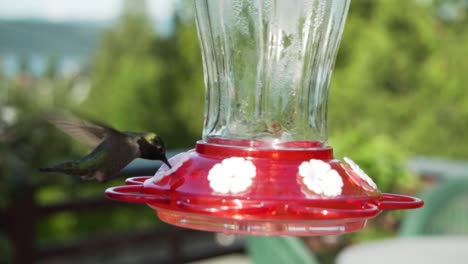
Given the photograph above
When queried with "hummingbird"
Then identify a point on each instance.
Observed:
(113, 149)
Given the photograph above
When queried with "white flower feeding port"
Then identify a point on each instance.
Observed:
(361, 173)
(263, 166)
(320, 178)
(178, 161)
(232, 175)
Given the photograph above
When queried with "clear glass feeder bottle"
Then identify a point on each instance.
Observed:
(267, 70)
(264, 166)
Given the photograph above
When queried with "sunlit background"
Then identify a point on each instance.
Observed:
(398, 106)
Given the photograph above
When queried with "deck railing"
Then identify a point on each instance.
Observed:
(167, 244)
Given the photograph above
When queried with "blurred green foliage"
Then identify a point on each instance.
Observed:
(398, 89)
(149, 83)
(401, 72)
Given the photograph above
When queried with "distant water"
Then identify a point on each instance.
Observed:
(71, 44)
(35, 42)
(37, 64)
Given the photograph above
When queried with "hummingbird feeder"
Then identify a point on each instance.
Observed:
(263, 166)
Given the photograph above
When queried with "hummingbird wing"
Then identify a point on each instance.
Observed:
(88, 133)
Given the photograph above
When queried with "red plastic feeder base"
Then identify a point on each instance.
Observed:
(255, 191)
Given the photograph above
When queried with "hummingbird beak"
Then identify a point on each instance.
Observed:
(164, 159)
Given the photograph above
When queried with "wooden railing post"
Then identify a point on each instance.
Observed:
(175, 247)
(21, 224)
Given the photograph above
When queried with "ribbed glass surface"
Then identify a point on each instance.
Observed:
(267, 67)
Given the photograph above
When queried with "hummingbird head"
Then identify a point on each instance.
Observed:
(152, 148)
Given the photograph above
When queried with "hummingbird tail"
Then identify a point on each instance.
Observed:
(68, 167)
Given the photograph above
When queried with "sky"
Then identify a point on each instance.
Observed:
(77, 10)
